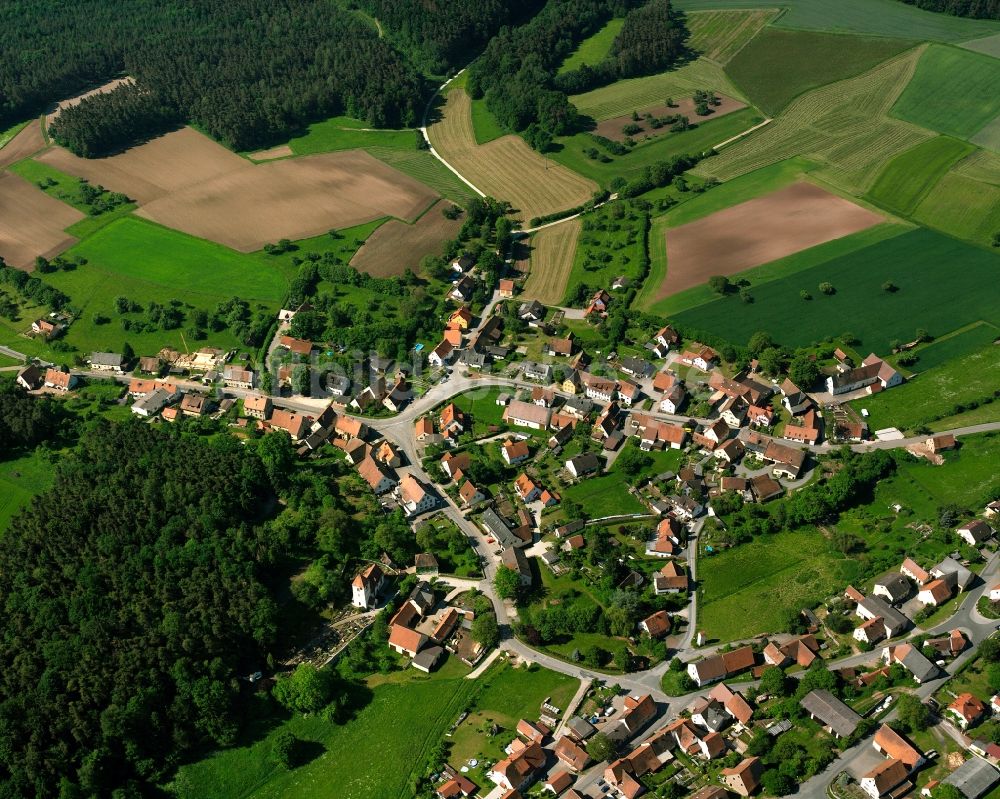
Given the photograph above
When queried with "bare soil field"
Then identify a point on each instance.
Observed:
(396, 245)
(31, 222)
(28, 142)
(554, 249)
(188, 182)
(757, 232)
(612, 128)
(107, 87)
(505, 168)
(281, 151)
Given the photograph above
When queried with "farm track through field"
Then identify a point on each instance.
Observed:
(844, 126)
(553, 253)
(505, 168)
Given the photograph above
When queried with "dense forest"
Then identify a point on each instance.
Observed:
(980, 9)
(248, 71)
(133, 602)
(447, 33)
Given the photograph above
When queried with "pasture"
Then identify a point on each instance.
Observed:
(875, 17)
(940, 392)
(756, 232)
(773, 574)
(778, 65)
(859, 305)
(506, 168)
(32, 222)
(844, 126)
(720, 35)
(395, 724)
(624, 96)
(594, 49)
(962, 206)
(552, 253)
(397, 246)
(909, 176)
(573, 150)
(953, 91)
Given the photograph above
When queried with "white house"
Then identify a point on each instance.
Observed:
(975, 533)
(154, 402)
(415, 496)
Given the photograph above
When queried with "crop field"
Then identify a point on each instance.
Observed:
(21, 141)
(720, 35)
(962, 206)
(982, 165)
(956, 345)
(756, 232)
(778, 65)
(594, 49)
(845, 126)
(32, 223)
(397, 245)
(506, 168)
(552, 252)
(909, 176)
(773, 574)
(397, 724)
(953, 91)
(624, 96)
(876, 17)
(943, 391)
(859, 305)
(703, 136)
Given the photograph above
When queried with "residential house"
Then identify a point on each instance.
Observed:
(378, 477)
(583, 465)
(975, 533)
(734, 704)
(531, 311)
(913, 660)
(557, 781)
(884, 778)
(638, 711)
(406, 641)
(543, 396)
(743, 778)
(423, 428)
(974, 778)
(666, 336)
(873, 370)
(295, 424)
(389, 454)
(893, 586)
(914, 571)
(966, 710)
(297, 345)
(451, 422)
(460, 319)
(628, 392)
(398, 395)
(237, 377)
(536, 371)
(458, 785)
(560, 346)
(673, 399)
(872, 607)
(59, 380)
(871, 631)
(795, 400)
(106, 362)
(506, 288)
(941, 443)
(500, 530)
(347, 428)
(597, 388)
(515, 560)
(671, 579)
(952, 570)
(527, 414)
(441, 354)
(570, 753)
(514, 451)
(733, 411)
(194, 404)
(598, 304)
(892, 745)
(257, 406)
(636, 367)
(30, 378)
(462, 289)
(151, 404)
(699, 356)
(764, 488)
(365, 587)
(45, 327)
(829, 711)
(656, 625)
(454, 463)
(526, 488)
(718, 667)
(936, 592)
(786, 461)
(416, 498)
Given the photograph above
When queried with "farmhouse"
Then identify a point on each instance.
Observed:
(912, 660)
(514, 559)
(833, 714)
(718, 667)
(527, 414)
(974, 778)
(743, 778)
(570, 753)
(893, 586)
(106, 362)
(787, 461)
(936, 592)
(236, 377)
(514, 451)
(415, 497)
(376, 475)
(873, 607)
(872, 370)
(882, 779)
(500, 530)
(598, 388)
(519, 769)
(913, 570)
(296, 425)
(151, 404)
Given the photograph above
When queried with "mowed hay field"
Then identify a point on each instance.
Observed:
(188, 182)
(396, 246)
(981, 165)
(953, 91)
(778, 65)
(720, 35)
(944, 284)
(909, 176)
(506, 168)
(844, 126)
(31, 222)
(756, 232)
(552, 254)
(626, 96)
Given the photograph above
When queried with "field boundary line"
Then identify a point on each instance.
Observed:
(747, 132)
(435, 153)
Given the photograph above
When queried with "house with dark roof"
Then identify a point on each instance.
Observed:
(834, 715)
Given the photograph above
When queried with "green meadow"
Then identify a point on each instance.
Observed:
(594, 49)
(909, 176)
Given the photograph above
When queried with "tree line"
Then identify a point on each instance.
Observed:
(249, 72)
(978, 9)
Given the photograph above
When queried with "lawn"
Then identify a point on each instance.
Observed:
(594, 49)
(876, 17)
(606, 495)
(751, 588)
(778, 65)
(20, 479)
(912, 261)
(481, 405)
(571, 151)
(845, 126)
(962, 206)
(370, 757)
(720, 35)
(506, 696)
(939, 392)
(953, 91)
(909, 176)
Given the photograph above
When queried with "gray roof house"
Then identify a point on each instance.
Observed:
(974, 778)
(913, 660)
(831, 712)
(499, 529)
(893, 586)
(963, 577)
(873, 606)
(111, 361)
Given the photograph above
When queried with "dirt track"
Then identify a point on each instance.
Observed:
(612, 128)
(31, 222)
(25, 143)
(107, 87)
(756, 232)
(395, 245)
(281, 151)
